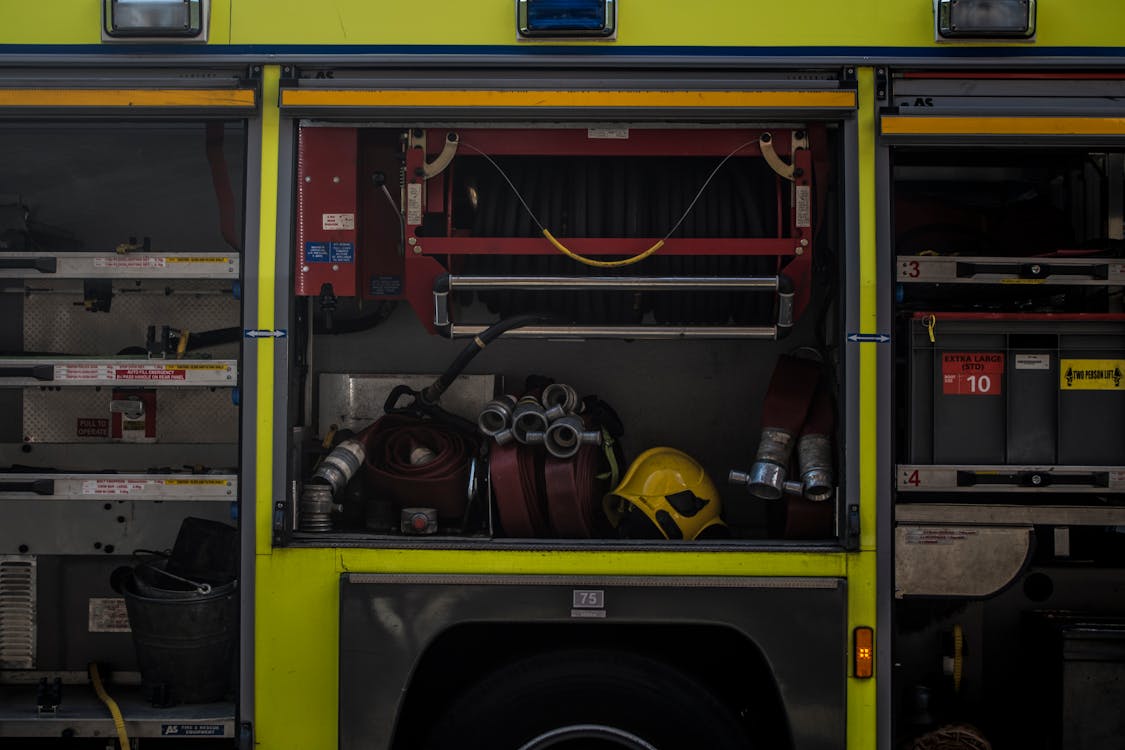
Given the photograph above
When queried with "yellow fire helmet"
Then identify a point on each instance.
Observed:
(666, 494)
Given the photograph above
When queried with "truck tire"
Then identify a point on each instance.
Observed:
(587, 700)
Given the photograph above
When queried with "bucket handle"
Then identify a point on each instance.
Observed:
(202, 588)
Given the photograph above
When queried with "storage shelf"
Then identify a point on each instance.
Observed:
(111, 265)
(938, 269)
(81, 714)
(1009, 478)
(124, 372)
(123, 486)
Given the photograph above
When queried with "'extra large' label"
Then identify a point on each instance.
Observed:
(972, 373)
(1091, 374)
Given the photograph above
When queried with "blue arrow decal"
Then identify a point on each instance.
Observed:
(878, 338)
(264, 333)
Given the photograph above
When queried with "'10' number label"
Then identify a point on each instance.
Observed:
(972, 373)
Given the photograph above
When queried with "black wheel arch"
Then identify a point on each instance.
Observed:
(722, 658)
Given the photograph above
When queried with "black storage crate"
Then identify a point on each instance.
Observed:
(1077, 678)
(1017, 389)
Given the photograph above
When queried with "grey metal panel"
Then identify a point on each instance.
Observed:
(80, 527)
(249, 410)
(195, 415)
(121, 456)
(353, 401)
(1039, 515)
(56, 321)
(69, 588)
(387, 622)
(849, 299)
(600, 80)
(884, 495)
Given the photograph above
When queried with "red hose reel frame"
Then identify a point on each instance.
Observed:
(348, 236)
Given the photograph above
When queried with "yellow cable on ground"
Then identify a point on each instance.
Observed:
(601, 263)
(111, 704)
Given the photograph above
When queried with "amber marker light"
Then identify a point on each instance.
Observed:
(863, 651)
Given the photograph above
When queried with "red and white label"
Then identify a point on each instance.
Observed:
(83, 372)
(139, 373)
(972, 373)
(92, 427)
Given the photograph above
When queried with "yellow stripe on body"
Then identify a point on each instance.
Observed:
(950, 125)
(267, 279)
(555, 98)
(40, 97)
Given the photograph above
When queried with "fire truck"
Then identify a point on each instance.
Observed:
(528, 374)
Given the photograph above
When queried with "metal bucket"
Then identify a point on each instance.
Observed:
(185, 640)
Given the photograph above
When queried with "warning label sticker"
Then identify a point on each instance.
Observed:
(1091, 374)
(620, 134)
(139, 373)
(186, 259)
(345, 222)
(107, 615)
(413, 203)
(126, 261)
(802, 205)
(940, 536)
(92, 427)
(112, 486)
(83, 372)
(1033, 361)
(192, 730)
(972, 373)
(197, 481)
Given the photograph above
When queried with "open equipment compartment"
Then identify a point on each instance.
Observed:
(1006, 212)
(120, 269)
(658, 263)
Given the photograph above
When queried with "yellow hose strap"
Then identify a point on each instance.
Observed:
(958, 657)
(115, 712)
(600, 263)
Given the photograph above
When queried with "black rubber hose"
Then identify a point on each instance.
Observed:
(433, 392)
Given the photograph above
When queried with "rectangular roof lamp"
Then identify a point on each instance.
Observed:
(566, 18)
(170, 20)
(985, 19)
